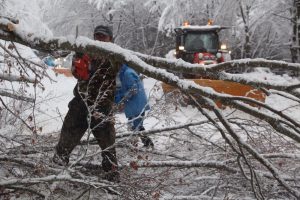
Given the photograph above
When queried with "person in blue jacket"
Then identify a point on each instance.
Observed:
(131, 94)
(49, 61)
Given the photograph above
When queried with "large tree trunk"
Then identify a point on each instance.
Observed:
(296, 32)
(245, 16)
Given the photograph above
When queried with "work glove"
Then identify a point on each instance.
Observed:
(80, 67)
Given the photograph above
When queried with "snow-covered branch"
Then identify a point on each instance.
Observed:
(15, 96)
(186, 164)
(212, 71)
(52, 178)
(15, 78)
(216, 71)
(251, 150)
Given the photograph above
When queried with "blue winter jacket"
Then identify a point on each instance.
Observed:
(49, 61)
(132, 92)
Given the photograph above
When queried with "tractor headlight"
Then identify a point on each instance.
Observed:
(181, 48)
(223, 47)
(200, 55)
(219, 55)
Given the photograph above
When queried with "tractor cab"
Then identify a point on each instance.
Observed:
(200, 44)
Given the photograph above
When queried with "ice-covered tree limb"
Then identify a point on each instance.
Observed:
(193, 197)
(15, 96)
(159, 130)
(251, 150)
(187, 164)
(212, 71)
(18, 57)
(18, 188)
(25, 163)
(201, 164)
(52, 178)
(150, 132)
(14, 114)
(15, 21)
(216, 71)
(15, 78)
(282, 155)
(283, 94)
(242, 145)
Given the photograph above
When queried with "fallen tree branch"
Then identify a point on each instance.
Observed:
(252, 151)
(54, 178)
(14, 78)
(192, 197)
(186, 164)
(285, 95)
(15, 96)
(14, 114)
(149, 132)
(216, 71)
(26, 189)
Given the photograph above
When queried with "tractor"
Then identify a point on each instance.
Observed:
(201, 45)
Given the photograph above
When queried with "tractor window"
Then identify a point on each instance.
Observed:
(202, 42)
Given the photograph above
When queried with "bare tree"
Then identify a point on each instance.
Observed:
(295, 39)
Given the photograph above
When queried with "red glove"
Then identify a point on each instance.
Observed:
(80, 67)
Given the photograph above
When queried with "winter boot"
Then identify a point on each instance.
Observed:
(112, 176)
(110, 166)
(145, 139)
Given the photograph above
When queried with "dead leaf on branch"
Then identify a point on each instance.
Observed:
(134, 165)
(10, 46)
(11, 27)
(156, 195)
(30, 118)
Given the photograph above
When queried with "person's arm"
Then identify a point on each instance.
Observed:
(118, 95)
(131, 83)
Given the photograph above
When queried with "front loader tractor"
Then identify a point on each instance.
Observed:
(201, 45)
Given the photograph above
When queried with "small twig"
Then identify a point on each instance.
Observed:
(83, 193)
(27, 189)
(18, 117)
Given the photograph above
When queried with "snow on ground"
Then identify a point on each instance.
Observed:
(54, 101)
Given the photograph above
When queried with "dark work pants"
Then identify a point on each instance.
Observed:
(75, 125)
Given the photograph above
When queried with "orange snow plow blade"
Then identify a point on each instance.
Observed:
(61, 70)
(227, 87)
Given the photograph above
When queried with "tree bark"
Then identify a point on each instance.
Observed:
(295, 48)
